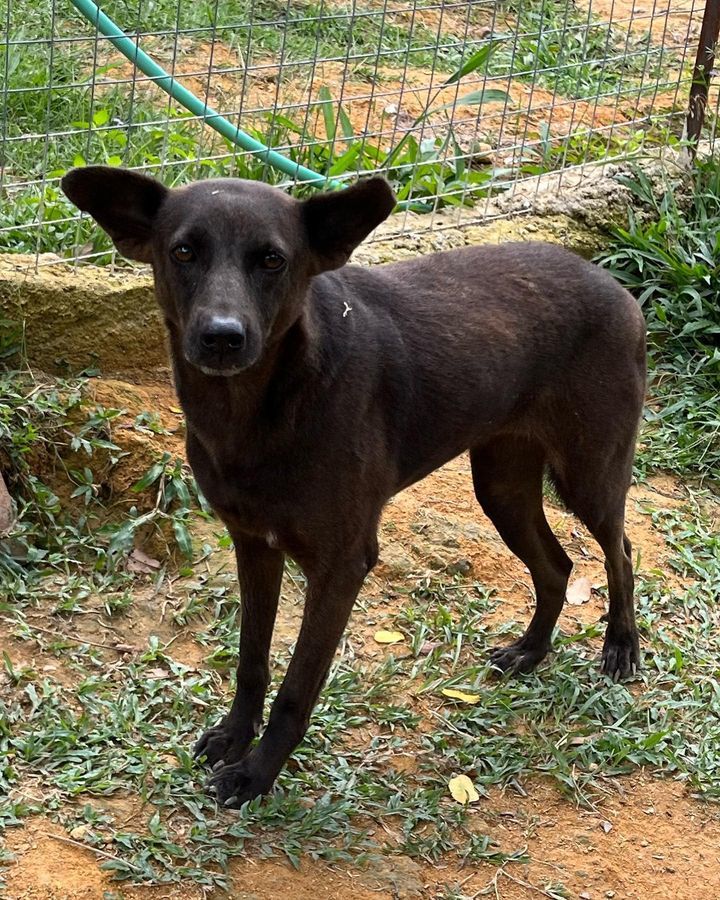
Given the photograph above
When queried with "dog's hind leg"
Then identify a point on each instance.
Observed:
(594, 486)
(508, 480)
(260, 571)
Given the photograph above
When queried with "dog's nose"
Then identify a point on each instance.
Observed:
(223, 336)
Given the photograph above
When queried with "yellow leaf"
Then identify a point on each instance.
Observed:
(389, 637)
(463, 790)
(460, 695)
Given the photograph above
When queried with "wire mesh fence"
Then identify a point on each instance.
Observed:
(455, 102)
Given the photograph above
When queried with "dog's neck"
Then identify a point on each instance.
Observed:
(254, 404)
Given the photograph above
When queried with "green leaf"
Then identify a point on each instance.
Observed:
(477, 98)
(345, 123)
(476, 61)
(149, 478)
(182, 536)
(346, 162)
(328, 112)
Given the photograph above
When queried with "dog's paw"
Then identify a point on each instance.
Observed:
(214, 744)
(235, 784)
(516, 658)
(620, 655)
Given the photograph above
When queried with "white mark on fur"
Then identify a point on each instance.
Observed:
(272, 540)
(347, 309)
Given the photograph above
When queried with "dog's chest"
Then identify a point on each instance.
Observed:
(263, 498)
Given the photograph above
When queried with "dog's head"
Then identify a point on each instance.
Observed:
(232, 259)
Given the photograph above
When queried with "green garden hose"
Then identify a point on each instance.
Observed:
(130, 49)
(184, 97)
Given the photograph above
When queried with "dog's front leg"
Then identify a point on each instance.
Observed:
(260, 571)
(330, 597)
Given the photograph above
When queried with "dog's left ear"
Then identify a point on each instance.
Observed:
(337, 222)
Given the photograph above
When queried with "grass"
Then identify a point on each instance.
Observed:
(113, 729)
(576, 54)
(129, 736)
(668, 259)
(56, 112)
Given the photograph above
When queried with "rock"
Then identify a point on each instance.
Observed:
(83, 316)
(395, 559)
(398, 874)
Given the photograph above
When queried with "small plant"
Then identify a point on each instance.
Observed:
(573, 53)
(64, 528)
(671, 262)
(177, 495)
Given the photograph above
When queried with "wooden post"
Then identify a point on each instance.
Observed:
(702, 73)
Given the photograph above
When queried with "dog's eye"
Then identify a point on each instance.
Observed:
(182, 253)
(272, 261)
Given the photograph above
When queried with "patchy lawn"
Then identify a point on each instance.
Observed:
(116, 658)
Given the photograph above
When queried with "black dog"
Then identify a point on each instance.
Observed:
(312, 396)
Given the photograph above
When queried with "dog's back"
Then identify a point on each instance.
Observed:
(524, 338)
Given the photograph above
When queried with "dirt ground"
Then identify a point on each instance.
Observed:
(647, 841)
(647, 838)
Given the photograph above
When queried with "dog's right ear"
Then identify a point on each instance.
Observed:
(123, 203)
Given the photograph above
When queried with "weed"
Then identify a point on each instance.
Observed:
(56, 113)
(114, 737)
(554, 153)
(577, 54)
(54, 443)
(669, 262)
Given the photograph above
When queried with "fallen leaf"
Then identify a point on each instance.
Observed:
(463, 790)
(428, 647)
(579, 592)
(460, 695)
(156, 673)
(389, 637)
(140, 563)
(581, 739)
